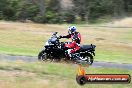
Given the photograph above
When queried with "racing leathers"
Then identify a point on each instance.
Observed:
(75, 44)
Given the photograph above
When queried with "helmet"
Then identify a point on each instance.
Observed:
(71, 29)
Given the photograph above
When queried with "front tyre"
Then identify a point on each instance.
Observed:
(42, 56)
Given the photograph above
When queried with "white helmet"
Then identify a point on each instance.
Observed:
(71, 29)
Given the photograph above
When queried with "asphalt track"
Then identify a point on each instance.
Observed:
(95, 64)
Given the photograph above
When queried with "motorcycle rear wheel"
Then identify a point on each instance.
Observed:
(87, 59)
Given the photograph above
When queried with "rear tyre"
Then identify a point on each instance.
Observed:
(42, 56)
(88, 58)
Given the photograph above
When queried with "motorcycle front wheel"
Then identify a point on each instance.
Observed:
(42, 56)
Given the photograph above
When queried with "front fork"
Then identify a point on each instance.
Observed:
(93, 53)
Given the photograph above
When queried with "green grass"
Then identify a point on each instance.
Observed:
(112, 56)
(53, 75)
(18, 51)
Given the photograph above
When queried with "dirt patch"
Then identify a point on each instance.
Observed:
(30, 27)
(99, 39)
(4, 84)
(44, 81)
(126, 22)
(15, 73)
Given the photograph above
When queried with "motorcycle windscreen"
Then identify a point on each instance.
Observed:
(52, 40)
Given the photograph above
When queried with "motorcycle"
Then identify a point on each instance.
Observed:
(54, 50)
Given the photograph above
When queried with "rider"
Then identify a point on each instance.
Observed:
(76, 39)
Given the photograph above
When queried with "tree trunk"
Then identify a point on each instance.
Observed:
(41, 5)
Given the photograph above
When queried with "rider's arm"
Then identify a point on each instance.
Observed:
(67, 36)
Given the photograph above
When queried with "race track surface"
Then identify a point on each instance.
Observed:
(95, 64)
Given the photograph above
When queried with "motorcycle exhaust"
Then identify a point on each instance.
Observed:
(82, 62)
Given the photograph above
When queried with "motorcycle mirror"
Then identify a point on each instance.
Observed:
(92, 46)
(55, 33)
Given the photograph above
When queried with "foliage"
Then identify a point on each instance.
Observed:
(51, 11)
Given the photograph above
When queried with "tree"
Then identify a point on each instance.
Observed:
(4, 9)
(26, 10)
(81, 8)
(53, 11)
(118, 8)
